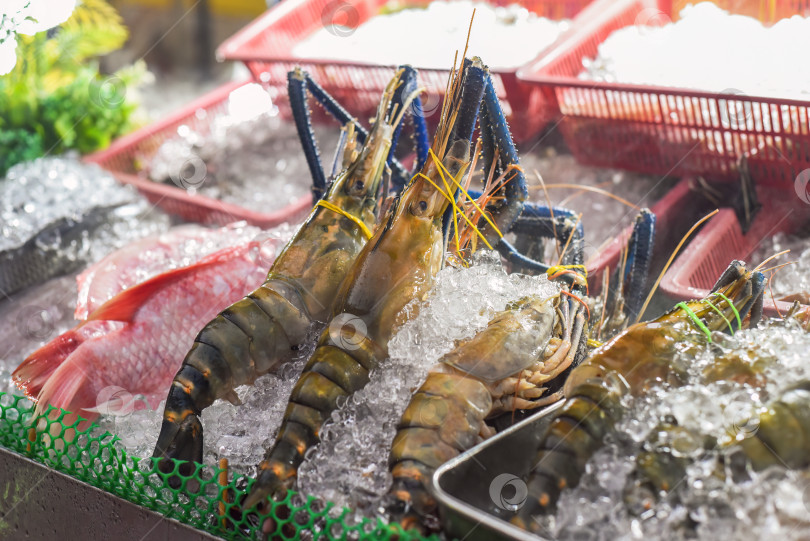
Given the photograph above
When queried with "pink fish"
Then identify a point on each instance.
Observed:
(140, 260)
(126, 353)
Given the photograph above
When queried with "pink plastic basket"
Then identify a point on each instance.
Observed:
(127, 155)
(663, 130)
(266, 44)
(721, 240)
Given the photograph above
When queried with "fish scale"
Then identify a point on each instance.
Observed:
(149, 327)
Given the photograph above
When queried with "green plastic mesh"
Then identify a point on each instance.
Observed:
(86, 452)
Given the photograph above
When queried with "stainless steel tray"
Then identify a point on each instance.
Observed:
(475, 490)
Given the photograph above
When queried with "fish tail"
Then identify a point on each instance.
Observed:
(67, 388)
(34, 372)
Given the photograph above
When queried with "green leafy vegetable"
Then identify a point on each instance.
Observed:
(18, 146)
(55, 98)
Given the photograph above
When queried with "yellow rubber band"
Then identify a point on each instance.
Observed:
(334, 208)
(456, 210)
(467, 195)
(452, 202)
(558, 268)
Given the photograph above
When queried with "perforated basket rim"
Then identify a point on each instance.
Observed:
(634, 108)
(528, 110)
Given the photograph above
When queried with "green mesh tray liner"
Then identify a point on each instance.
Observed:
(97, 458)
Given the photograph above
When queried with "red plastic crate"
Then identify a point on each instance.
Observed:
(675, 213)
(658, 129)
(127, 155)
(266, 44)
(721, 240)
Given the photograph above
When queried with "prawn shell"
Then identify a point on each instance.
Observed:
(783, 433)
(512, 341)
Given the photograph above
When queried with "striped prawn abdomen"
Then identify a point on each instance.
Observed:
(332, 373)
(252, 337)
(574, 435)
(782, 435)
(444, 418)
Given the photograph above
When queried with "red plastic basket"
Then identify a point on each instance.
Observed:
(675, 213)
(661, 130)
(721, 240)
(126, 156)
(266, 44)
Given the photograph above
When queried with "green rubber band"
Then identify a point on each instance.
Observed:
(733, 308)
(721, 314)
(696, 320)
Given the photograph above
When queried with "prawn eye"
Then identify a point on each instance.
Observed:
(419, 208)
(359, 185)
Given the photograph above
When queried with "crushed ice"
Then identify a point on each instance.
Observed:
(689, 52)
(350, 466)
(58, 214)
(702, 505)
(245, 155)
(707, 49)
(36, 194)
(504, 36)
(791, 282)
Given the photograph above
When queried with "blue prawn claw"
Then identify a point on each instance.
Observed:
(637, 267)
(299, 83)
(510, 211)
